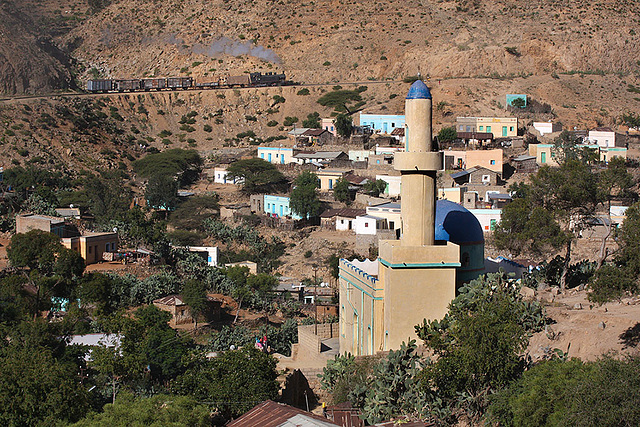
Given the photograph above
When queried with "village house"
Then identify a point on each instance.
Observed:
(384, 123)
(360, 155)
(276, 155)
(393, 184)
(317, 137)
(328, 125)
(181, 313)
(278, 206)
(390, 212)
(525, 164)
(500, 127)
(50, 224)
(476, 175)
(340, 219)
(453, 194)
(368, 224)
(92, 246)
(547, 127)
(319, 158)
(327, 179)
(69, 213)
(461, 159)
(488, 218)
(220, 176)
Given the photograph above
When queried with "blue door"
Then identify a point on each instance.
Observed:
(281, 210)
(269, 157)
(281, 159)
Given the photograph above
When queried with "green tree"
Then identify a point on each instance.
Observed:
(567, 147)
(344, 125)
(143, 411)
(304, 196)
(259, 176)
(162, 192)
(106, 195)
(38, 380)
(191, 213)
(194, 293)
(518, 103)
(447, 134)
(182, 165)
(341, 191)
(572, 393)
(312, 121)
(480, 342)
(375, 187)
(50, 268)
(565, 198)
(235, 380)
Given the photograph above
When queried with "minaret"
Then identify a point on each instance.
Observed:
(418, 277)
(418, 166)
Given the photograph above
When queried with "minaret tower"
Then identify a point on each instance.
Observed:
(418, 276)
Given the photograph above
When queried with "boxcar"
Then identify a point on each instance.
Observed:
(179, 82)
(241, 81)
(154, 84)
(127, 84)
(99, 85)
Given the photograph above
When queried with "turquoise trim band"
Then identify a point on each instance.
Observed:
(361, 290)
(420, 265)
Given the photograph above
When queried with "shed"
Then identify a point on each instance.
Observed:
(525, 164)
(272, 414)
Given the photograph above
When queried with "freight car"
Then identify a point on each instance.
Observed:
(175, 83)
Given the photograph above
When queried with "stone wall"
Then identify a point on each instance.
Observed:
(311, 342)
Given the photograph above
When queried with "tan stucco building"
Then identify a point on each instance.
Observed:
(91, 246)
(500, 127)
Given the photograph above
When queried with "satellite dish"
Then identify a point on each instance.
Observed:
(71, 205)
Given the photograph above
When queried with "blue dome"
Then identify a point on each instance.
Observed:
(419, 90)
(456, 224)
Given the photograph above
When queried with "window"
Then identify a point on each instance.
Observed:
(393, 125)
(481, 127)
(262, 155)
(391, 224)
(461, 127)
(486, 178)
(330, 184)
(493, 162)
(488, 128)
(89, 249)
(377, 162)
(366, 225)
(276, 155)
(268, 205)
(510, 128)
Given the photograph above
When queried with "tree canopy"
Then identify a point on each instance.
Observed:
(259, 176)
(344, 125)
(184, 165)
(304, 196)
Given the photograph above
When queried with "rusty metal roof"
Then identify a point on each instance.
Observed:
(272, 414)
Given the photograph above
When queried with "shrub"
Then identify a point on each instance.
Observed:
(303, 92)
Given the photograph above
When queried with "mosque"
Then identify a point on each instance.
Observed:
(414, 278)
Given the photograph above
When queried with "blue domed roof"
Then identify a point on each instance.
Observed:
(456, 224)
(419, 90)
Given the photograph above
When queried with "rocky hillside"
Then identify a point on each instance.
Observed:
(30, 60)
(345, 40)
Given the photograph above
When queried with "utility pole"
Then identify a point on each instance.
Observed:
(315, 295)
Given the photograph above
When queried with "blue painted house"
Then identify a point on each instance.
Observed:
(384, 123)
(278, 206)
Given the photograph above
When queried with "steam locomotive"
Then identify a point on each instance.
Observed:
(183, 83)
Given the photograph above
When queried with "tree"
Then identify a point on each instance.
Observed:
(563, 392)
(157, 410)
(564, 198)
(97, 288)
(518, 103)
(375, 187)
(234, 381)
(38, 378)
(259, 176)
(194, 293)
(162, 192)
(107, 196)
(182, 165)
(312, 121)
(447, 134)
(344, 125)
(191, 213)
(480, 342)
(50, 268)
(304, 197)
(341, 191)
(615, 182)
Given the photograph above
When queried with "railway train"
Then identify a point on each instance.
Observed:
(175, 83)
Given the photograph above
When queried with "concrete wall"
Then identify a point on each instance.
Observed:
(500, 127)
(276, 155)
(308, 340)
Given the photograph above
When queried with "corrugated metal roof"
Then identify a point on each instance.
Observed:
(272, 414)
(345, 212)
